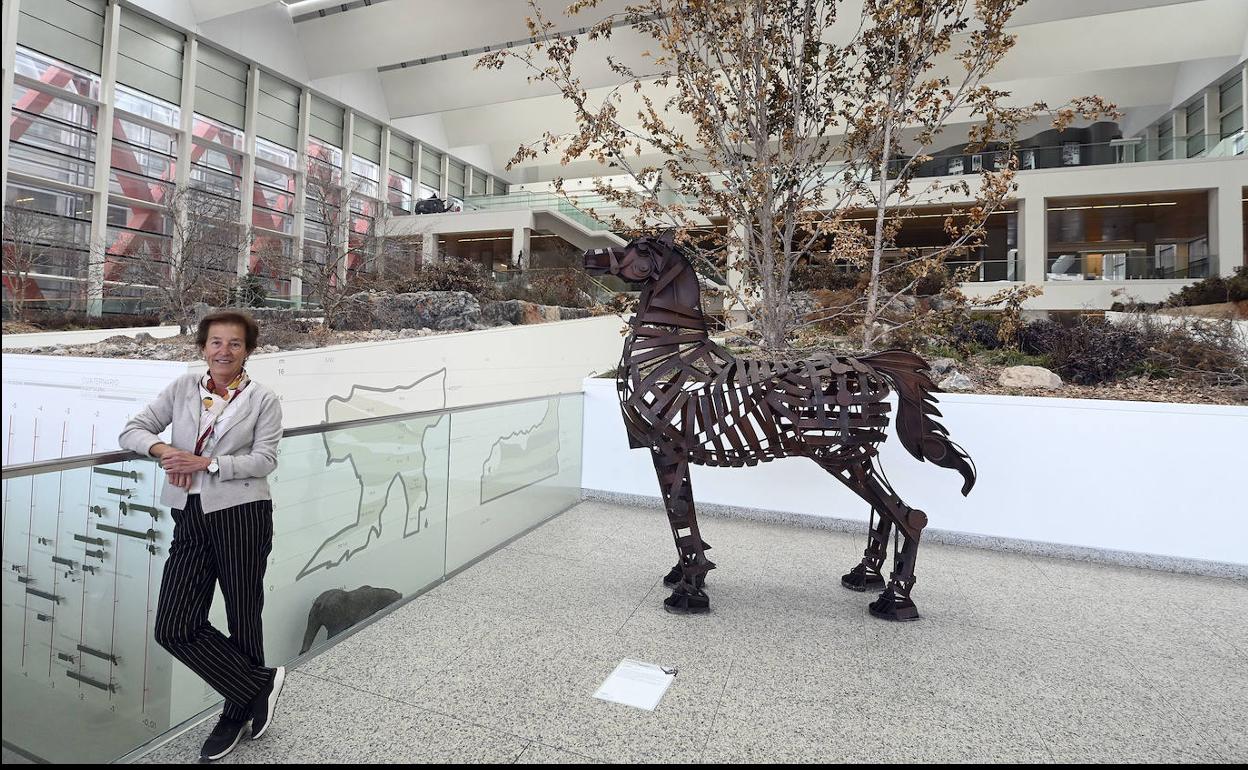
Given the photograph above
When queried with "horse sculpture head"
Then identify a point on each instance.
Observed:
(640, 261)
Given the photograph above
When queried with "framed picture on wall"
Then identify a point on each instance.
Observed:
(1070, 153)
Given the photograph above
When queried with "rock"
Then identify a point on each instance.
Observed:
(198, 311)
(442, 310)
(143, 338)
(568, 313)
(1029, 377)
(942, 366)
(957, 381)
(939, 303)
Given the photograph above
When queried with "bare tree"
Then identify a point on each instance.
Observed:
(33, 242)
(782, 130)
(197, 262)
(345, 242)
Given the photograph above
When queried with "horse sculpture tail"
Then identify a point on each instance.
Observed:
(917, 428)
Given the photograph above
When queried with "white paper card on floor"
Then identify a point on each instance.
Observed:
(636, 684)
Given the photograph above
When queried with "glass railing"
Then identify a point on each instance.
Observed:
(368, 514)
(573, 209)
(1075, 154)
(1131, 265)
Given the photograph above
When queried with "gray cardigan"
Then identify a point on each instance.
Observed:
(246, 448)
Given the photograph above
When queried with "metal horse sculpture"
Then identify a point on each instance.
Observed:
(690, 401)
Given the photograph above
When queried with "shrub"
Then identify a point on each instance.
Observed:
(65, 321)
(812, 276)
(564, 287)
(1094, 351)
(979, 333)
(1213, 290)
(449, 275)
(1207, 350)
(1038, 338)
(249, 293)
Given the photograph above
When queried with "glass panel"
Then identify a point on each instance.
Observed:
(142, 162)
(218, 132)
(140, 135)
(150, 107)
(57, 73)
(273, 220)
(79, 656)
(324, 153)
(276, 153)
(381, 511)
(28, 101)
(46, 164)
(1232, 122)
(512, 467)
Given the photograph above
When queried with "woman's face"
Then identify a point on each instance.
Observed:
(225, 351)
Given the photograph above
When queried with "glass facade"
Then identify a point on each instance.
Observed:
(51, 160)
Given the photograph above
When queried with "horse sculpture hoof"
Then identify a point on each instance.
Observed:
(675, 575)
(889, 607)
(687, 604)
(858, 579)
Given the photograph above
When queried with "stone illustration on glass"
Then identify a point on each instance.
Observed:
(692, 402)
(337, 610)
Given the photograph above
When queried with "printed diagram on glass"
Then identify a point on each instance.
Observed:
(523, 458)
(388, 460)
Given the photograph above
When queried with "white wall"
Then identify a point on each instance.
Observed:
(361, 90)
(63, 406)
(427, 128)
(1127, 476)
(82, 336)
(264, 34)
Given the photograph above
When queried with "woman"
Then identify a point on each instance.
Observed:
(224, 443)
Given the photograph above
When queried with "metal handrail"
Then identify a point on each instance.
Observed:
(121, 455)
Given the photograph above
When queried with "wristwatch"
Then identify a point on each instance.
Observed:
(212, 465)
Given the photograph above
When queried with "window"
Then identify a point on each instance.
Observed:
(1165, 139)
(1112, 238)
(144, 157)
(1231, 101)
(1196, 128)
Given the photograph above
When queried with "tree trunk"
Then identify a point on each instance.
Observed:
(877, 250)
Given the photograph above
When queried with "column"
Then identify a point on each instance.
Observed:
(301, 187)
(521, 247)
(6, 92)
(1032, 239)
(103, 157)
(247, 197)
(1226, 231)
(344, 212)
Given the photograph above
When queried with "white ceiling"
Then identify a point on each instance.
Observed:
(1129, 51)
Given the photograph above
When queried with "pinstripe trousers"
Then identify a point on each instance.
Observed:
(230, 547)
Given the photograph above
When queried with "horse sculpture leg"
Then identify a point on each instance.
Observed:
(687, 594)
(895, 602)
(867, 574)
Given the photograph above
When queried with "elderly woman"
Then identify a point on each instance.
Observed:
(223, 445)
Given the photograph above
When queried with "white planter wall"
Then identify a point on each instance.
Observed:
(1159, 479)
(59, 406)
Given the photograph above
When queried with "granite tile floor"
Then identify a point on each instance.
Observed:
(1017, 659)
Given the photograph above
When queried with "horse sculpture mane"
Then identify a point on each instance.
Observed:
(690, 401)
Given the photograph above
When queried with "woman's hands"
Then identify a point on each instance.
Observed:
(182, 463)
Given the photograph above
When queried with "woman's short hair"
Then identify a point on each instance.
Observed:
(251, 328)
